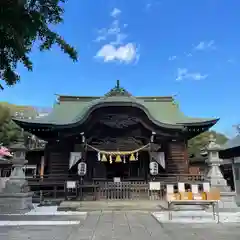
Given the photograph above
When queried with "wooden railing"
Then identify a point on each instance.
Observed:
(174, 178)
(164, 178)
(99, 189)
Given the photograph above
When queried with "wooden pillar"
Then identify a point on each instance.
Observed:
(42, 166)
(186, 159)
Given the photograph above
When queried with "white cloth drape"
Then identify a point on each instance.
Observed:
(74, 157)
(159, 157)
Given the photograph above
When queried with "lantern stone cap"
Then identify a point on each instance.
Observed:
(5, 161)
(16, 161)
(18, 146)
(212, 145)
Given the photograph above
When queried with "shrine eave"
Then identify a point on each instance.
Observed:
(163, 113)
(200, 122)
(27, 124)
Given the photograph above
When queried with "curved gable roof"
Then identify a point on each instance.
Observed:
(162, 111)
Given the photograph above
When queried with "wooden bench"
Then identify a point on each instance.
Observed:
(213, 203)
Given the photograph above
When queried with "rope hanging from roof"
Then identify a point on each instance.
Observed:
(104, 156)
(114, 153)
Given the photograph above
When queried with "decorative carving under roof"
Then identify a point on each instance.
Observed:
(118, 91)
(118, 120)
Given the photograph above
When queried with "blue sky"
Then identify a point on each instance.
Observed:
(188, 48)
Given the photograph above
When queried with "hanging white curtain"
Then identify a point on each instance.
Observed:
(74, 157)
(159, 157)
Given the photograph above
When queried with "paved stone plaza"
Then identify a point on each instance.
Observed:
(121, 226)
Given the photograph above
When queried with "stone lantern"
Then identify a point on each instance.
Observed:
(214, 162)
(215, 176)
(17, 181)
(15, 197)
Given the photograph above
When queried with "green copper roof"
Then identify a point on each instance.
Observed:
(159, 111)
(162, 111)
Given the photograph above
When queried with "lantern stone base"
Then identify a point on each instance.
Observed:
(17, 203)
(228, 200)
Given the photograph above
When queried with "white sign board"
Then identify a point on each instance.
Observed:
(154, 186)
(116, 179)
(181, 187)
(170, 188)
(71, 184)
(194, 188)
(206, 187)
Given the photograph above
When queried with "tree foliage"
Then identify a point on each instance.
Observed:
(199, 142)
(23, 22)
(9, 131)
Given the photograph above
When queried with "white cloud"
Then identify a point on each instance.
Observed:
(100, 38)
(151, 4)
(115, 12)
(126, 53)
(231, 60)
(171, 58)
(183, 73)
(120, 37)
(203, 45)
(116, 48)
(148, 5)
(188, 54)
(113, 31)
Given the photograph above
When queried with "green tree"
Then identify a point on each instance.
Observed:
(195, 145)
(22, 23)
(9, 132)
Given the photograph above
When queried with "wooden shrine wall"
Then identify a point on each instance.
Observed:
(57, 159)
(177, 159)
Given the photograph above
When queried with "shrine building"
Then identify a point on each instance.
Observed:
(116, 135)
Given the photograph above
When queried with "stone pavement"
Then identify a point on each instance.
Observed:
(123, 226)
(36, 232)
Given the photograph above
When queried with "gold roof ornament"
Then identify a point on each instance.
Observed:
(132, 157)
(104, 158)
(118, 159)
